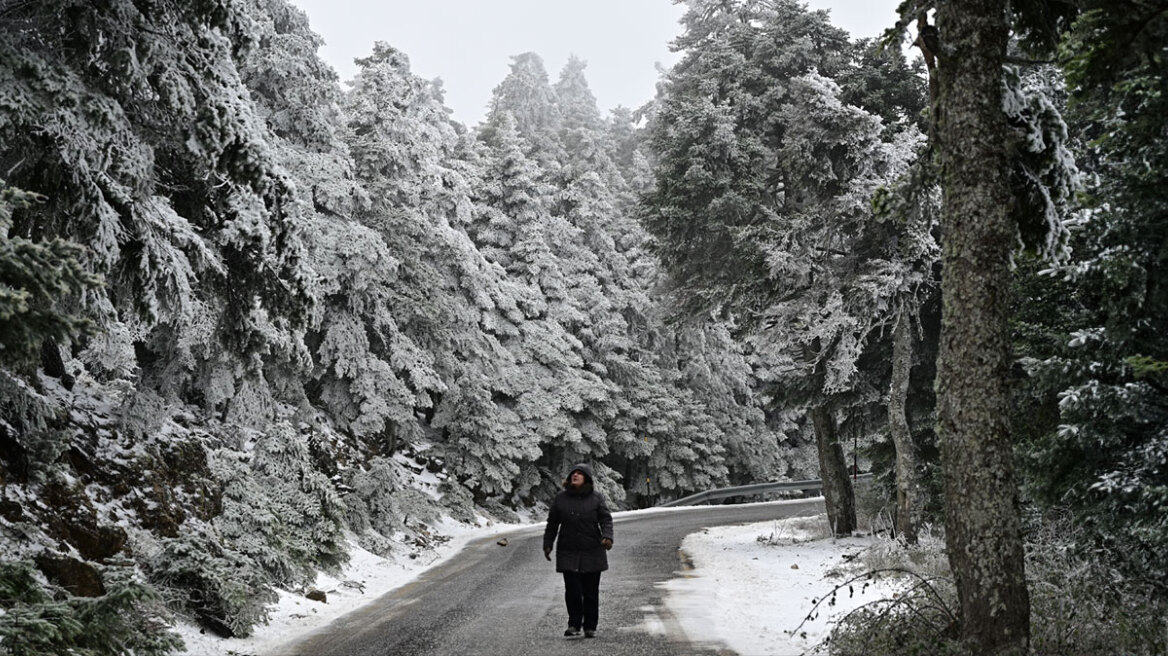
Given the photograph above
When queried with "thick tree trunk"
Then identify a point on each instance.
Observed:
(838, 495)
(907, 484)
(982, 522)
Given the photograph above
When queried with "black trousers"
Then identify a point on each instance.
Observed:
(582, 596)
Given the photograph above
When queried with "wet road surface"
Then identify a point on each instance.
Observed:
(489, 600)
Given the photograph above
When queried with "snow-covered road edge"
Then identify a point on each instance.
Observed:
(743, 593)
(752, 585)
(365, 578)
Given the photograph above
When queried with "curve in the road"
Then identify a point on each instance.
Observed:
(508, 601)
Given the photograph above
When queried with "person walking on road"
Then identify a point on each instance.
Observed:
(581, 519)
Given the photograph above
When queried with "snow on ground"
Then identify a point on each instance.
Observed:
(750, 587)
(366, 577)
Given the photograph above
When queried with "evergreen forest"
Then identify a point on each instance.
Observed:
(251, 316)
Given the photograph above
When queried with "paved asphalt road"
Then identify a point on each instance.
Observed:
(490, 600)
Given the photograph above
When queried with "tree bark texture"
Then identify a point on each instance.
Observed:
(982, 524)
(838, 495)
(907, 483)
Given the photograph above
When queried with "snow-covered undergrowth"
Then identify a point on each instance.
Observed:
(769, 589)
(1079, 603)
(363, 579)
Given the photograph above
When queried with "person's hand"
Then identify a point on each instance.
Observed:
(547, 553)
(606, 543)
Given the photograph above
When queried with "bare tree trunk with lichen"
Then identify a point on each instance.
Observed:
(982, 524)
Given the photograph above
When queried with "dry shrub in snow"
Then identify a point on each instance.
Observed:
(1078, 603)
(1081, 604)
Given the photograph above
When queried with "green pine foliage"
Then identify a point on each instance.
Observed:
(40, 620)
(221, 588)
(1104, 450)
(36, 279)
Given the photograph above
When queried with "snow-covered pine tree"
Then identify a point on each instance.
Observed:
(40, 622)
(34, 278)
(454, 303)
(762, 164)
(551, 387)
(365, 375)
(401, 139)
(527, 95)
(279, 512)
(162, 170)
(625, 140)
(1022, 141)
(714, 424)
(131, 121)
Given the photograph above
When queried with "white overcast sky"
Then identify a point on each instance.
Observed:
(469, 43)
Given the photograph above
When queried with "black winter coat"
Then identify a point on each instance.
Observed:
(581, 518)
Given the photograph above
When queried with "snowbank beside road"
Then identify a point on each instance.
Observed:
(752, 585)
(366, 577)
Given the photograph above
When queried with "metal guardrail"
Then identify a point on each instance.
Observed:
(815, 485)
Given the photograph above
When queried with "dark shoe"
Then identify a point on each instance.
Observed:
(589, 633)
(572, 632)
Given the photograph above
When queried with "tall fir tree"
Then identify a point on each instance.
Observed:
(164, 173)
(759, 162)
(526, 94)
(982, 521)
